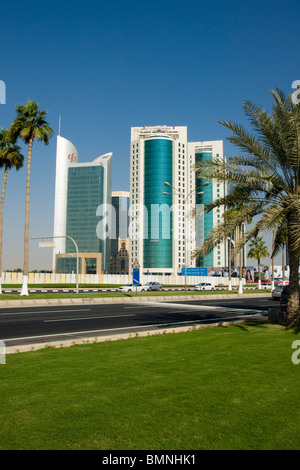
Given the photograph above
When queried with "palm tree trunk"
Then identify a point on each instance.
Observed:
(259, 275)
(273, 243)
(1, 221)
(240, 291)
(229, 262)
(283, 266)
(24, 290)
(293, 309)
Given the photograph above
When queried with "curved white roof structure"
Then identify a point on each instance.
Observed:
(66, 157)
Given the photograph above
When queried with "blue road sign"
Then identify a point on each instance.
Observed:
(136, 276)
(194, 271)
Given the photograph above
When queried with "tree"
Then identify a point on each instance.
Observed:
(265, 177)
(30, 123)
(10, 157)
(258, 250)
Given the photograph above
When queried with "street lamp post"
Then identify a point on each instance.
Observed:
(185, 199)
(77, 254)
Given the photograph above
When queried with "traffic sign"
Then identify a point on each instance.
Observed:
(136, 276)
(136, 264)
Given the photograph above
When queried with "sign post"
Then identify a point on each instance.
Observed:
(136, 274)
(136, 278)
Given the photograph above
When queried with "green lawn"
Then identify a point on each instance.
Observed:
(217, 388)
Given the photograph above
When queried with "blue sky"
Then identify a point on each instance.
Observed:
(105, 66)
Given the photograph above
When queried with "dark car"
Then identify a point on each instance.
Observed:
(284, 297)
(276, 292)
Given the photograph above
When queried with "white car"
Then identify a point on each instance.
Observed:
(153, 286)
(131, 288)
(204, 286)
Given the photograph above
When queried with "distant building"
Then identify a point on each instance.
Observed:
(80, 188)
(119, 263)
(119, 260)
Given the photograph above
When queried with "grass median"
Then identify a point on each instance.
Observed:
(233, 387)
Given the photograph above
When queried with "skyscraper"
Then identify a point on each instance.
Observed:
(163, 187)
(80, 189)
(120, 218)
(209, 190)
(119, 259)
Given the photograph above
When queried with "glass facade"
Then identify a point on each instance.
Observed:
(85, 194)
(120, 221)
(205, 224)
(67, 265)
(158, 236)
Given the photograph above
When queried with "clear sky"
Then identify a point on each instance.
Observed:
(105, 66)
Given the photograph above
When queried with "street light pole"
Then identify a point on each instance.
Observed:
(76, 247)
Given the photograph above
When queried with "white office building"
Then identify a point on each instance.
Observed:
(82, 191)
(163, 232)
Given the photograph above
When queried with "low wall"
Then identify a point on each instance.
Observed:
(50, 278)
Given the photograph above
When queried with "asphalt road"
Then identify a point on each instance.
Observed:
(31, 325)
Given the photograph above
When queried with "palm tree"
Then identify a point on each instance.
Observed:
(234, 233)
(10, 157)
(258, 250)
(265, 177)
(30, 123)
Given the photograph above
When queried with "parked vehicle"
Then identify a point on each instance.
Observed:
(276, 293)
(279, 282)
(204, 286)
(266, 285)
(284, 297)
(152, 286)
(132, 288)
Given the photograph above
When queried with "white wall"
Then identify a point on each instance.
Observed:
(49, 278)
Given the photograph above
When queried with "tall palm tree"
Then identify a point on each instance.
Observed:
(266, 178)
(10, 157)
(258, 250)
(30, 123)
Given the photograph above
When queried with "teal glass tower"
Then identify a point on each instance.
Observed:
(158, 156)
(204, 198)
(158, 168)
(165, 195)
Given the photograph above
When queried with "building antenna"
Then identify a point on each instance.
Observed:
(59, 125)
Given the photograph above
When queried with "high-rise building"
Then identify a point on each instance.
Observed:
(80, 190)
(120, 218)
(163, 193)
(119, 260)
(205, 191)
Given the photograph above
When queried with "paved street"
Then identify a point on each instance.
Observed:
(32, 325)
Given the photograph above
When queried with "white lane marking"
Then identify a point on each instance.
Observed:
(87, 318)
(47, 311)
(201, 307)
(82, 333)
